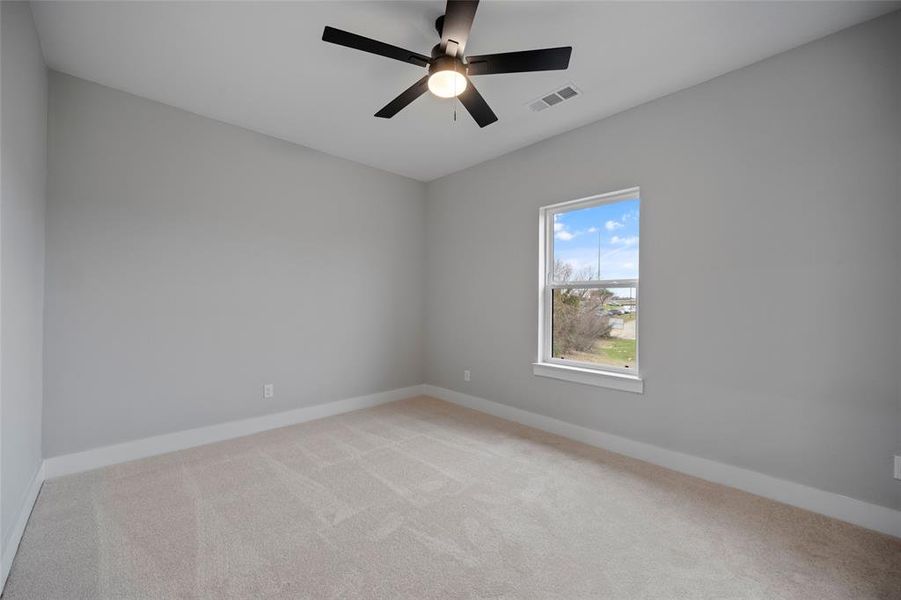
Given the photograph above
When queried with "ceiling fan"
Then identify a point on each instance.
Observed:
(449, 68)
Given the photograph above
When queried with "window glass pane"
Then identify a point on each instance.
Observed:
(598, 242)
(595, 326)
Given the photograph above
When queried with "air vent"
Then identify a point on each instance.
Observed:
(554, 98)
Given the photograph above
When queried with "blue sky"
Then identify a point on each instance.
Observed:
(613, 227)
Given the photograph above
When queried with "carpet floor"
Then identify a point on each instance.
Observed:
(424, 499)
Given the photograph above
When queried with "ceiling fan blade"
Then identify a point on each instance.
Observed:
(547, 59)
(476, 105)
(458, 17)
(358, 42)
(406, 97)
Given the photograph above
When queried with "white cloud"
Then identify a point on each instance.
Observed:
(612, 225)
(592, 230)
(624, 241)
(560, 231)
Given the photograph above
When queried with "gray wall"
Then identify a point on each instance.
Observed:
(23, 164)
(771, 198)
(189, 262)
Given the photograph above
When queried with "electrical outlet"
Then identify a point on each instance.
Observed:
(268, 391)
(466, 375)
(897, 467)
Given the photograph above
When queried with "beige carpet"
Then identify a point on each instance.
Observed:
(423, 499)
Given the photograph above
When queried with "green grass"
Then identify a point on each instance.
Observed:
(608, 351)
(618, 350)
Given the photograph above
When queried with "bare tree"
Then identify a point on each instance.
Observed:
(580, 318)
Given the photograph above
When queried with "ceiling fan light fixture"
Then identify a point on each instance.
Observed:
(447, 83)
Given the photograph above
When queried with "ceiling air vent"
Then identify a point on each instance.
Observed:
(554, 98)
(567, 92)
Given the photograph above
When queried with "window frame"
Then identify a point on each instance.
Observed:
(627, 379)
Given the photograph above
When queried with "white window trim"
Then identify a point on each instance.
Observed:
(595, 377)
(579, 372)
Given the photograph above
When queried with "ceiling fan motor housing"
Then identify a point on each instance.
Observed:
(446, 63)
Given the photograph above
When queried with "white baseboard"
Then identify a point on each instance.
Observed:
(858, 512)
(15, 536)
(170, 442)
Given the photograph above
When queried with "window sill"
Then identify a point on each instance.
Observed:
(607, 379)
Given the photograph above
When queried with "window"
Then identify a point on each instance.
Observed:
(588, 330)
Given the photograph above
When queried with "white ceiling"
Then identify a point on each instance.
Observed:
(263, 66)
